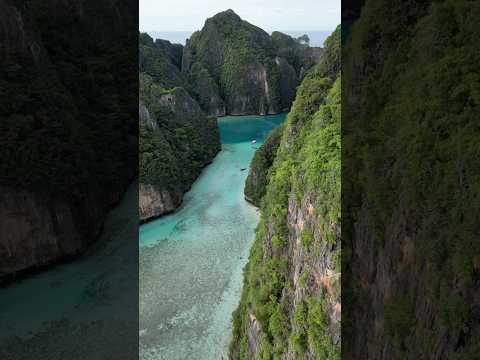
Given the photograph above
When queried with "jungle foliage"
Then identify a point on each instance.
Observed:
(307, 162)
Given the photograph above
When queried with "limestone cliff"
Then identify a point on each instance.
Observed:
(175, 144)
(290, 306)
(229, 67)
(161, 60)
(411, 170)
(154, 201)
(40, 229)
(67, 131)
(237, 68)
(177, 139)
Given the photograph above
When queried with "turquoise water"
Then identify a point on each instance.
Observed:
(191, 262)
(84, 309)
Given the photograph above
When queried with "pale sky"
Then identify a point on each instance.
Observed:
(190, 15)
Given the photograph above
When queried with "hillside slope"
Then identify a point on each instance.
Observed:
(68, 132)
(237, 68)
(411, 170)
(290, 306)
(176, 138)
(257, 179)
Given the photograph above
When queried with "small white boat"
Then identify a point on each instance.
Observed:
(254, 141)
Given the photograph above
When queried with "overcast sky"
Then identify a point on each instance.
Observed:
(189, 15)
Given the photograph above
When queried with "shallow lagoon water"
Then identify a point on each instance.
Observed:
(83, 309)
(191, 262)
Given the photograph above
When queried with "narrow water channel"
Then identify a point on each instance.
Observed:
(191, 261)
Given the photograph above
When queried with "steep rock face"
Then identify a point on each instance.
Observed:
(146, 118)
(290, 306)
(174, 51)
(176, 141)
(38, 229)
(160, 59)
(173, 152)
(298, 55)
(236, 68)
(411, 229)
(67, 145)
(206, 90)
(287, 82)
(155, 201)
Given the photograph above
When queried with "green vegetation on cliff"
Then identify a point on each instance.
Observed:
(176, 138)
(303, 183)
(237, 68)
(293, 51)
(256, 183)
(68, 110)
(412, 179)
(178, 142)
(161, 60)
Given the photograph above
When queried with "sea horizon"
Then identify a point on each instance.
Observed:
(317, 37)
